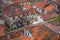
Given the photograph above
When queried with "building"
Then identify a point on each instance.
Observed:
(35, 32)
(49, 15)
(28, 20)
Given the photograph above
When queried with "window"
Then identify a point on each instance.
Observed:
(13, 18)
(27, 33)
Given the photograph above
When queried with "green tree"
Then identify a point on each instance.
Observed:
(58, 18)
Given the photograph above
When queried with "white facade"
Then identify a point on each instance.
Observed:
(39, 20)
(1, 21)
(34, 6)
(24, 9)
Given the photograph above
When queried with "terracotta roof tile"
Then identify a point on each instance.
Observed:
(7, 10)
(27, 6)
(47, 16)
(50, 7)
(17, 11)
(40, 4)
(4, 37)
(41, 34)
(2, 30)
(31, 10)
(25, 38)
(53, 27)
(35, 31)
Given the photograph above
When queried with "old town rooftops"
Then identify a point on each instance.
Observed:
(11, 11)
(40, 4)
(31, 10)
(54, 28)
(49, 7)
(35, 30)
(49, 15)
(28, 6)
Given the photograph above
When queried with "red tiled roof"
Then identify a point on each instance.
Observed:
(40, 4)
(2, 30)
(40, 32)
(7, 10)
(17, 11)
(53, 27)
(35, 31)
(31, 10)
(47, 16)
(27, 6)
(42, 36)
(50, 7)
(25, 38)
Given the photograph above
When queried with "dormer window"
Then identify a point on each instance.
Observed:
(27, 33)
